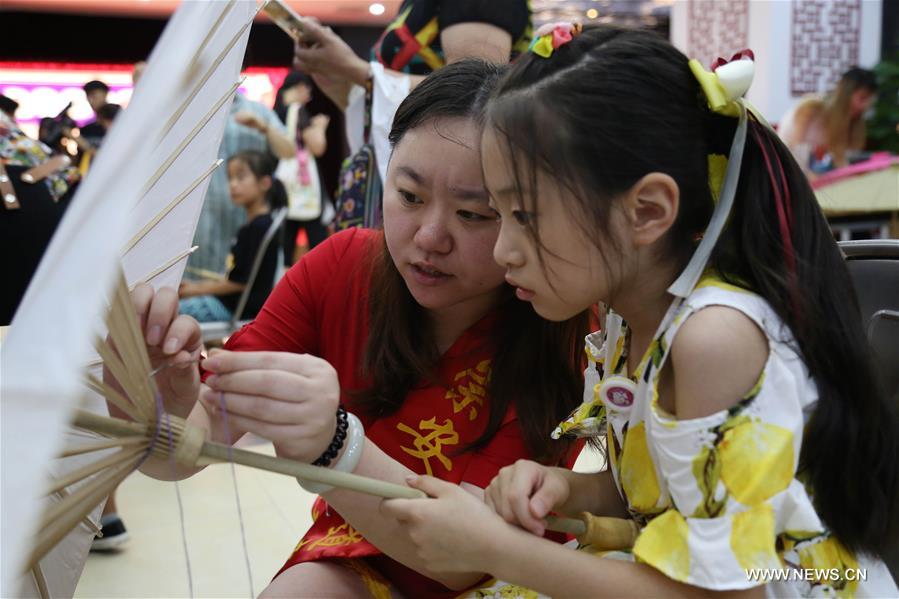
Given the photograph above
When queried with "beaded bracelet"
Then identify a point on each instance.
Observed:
(336, 442)
(350, 458)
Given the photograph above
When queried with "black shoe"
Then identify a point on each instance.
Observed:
(112, 534)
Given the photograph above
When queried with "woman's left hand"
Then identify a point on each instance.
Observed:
(453, 531)
(290, 399)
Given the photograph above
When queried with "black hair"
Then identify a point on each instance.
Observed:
(293, 78)
(614, 105)
(861, 78)
(261, 165)
(109, 111)
(533, 359)
(8, 105)
(95, 85)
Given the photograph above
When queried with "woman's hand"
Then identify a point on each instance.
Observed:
(323, 52)
(525, 492)
(290, 399)
(174, 344)
(452, 530)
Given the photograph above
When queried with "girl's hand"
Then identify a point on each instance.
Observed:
(173, 342)
(251, 120)
(321, 121)
(290, 399)
(452, 530)
(187, 289)
(525, 492)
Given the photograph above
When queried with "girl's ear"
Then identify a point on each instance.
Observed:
(651, 208)
(265, 182)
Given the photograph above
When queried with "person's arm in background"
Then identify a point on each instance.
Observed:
(278, 139)
(336, 68)
(315, 135)
(793, 130)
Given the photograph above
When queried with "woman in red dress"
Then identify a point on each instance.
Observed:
(411, 329)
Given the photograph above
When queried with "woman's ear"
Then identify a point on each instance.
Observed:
(651, 207)
(265, 182)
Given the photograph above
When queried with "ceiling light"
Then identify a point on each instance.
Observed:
(376, 8)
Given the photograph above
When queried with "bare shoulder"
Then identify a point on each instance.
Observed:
(717, 355)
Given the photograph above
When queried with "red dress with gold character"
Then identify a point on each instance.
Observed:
(320, 308)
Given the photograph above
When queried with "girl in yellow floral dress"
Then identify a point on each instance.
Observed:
(748, 439)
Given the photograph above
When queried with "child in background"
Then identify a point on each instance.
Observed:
(252, 187)
(744, 423)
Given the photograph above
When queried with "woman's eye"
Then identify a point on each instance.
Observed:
(409, 198)
(523, 218)
(476, 216)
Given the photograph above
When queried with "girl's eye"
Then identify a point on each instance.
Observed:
(409, 198)
(523, 218)
(477, 217)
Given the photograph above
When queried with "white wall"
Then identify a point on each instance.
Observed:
(770, 37)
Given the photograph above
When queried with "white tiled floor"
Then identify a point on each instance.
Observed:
(275, 514)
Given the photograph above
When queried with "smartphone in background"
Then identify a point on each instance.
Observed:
(284, 17)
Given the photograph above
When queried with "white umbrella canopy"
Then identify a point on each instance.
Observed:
(138, 207)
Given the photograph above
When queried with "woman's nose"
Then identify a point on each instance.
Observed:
(433, 235)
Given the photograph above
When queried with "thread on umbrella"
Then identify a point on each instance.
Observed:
(243, 536)
(190, 578)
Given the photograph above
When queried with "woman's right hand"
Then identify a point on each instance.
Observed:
(526, 492)
(174, 343)
(323, 52)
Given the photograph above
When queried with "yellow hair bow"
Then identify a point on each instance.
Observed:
(726, 82)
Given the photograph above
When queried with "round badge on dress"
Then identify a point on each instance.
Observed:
(618, 393)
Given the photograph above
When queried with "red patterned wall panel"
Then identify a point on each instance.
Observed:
(717, 28)
(825, 39)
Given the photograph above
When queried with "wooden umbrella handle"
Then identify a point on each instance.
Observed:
(600, 532)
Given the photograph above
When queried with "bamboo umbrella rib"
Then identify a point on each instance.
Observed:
(119, 371)
(109, 427)
(69, 512)
(214, 28)
(164, 267)
(138, 344)
(92, 526)
(199, 85)
(123, 375)
(130, 346)
(101, 445)
(126, 334)
(40, 581)
(171, 206)
(112, 396)
(189, 137)
(77, 475)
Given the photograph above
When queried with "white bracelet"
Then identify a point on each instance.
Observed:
(349, 460)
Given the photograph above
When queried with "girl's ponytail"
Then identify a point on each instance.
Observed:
(779, 242)
(277, 194)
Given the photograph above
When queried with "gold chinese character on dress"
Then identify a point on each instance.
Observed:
(431, 445)
(343, 534)
(471, 389)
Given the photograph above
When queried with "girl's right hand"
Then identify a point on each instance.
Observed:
(173, 342)
(525, 493)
